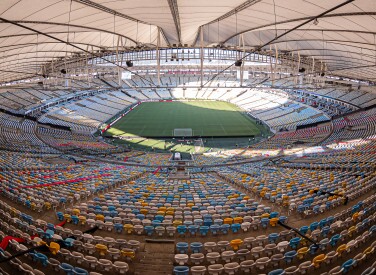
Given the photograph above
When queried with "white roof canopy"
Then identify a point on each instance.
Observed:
(344, 38)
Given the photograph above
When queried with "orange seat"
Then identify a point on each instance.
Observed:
(227, 221)
(235, 244)
(318, 260)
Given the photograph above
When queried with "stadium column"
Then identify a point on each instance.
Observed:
(158, 56)
(202, 54)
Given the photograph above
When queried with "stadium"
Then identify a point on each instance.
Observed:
(178, 137)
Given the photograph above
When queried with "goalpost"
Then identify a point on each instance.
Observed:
(199, 145)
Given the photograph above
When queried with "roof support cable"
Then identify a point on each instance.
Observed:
(72, 45)
(281, 35)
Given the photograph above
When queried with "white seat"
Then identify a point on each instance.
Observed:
(198, 270)
(121, 267)
(257, 252)
(282, 246)
(306, 267)
(242, 254)
(336, 271)
(262, 263)
(227, 256)
(91, 261)
(197, 258)
(210, 246)
(215, 269)
(181, 259)
(231, 268)
(247, 266)
(292, 270)
(105, 265)
(212, 257)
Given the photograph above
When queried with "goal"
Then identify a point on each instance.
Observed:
(199, 146)
(183, 132)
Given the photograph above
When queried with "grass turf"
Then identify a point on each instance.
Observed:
(206, 118)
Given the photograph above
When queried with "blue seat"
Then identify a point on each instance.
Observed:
(289, 256)
(347, 265)
(41, 233)
(193, 229)
(75, 219)
(329, 220)
(334, 239)
(182, 247)
(39, 257)
(294, 242)
(282, 219)
(80, 271)
(225, 228)
(214, 229)
(322, 223)
(235, 227)
(68, 242)
(198, 222)
(325, 231)
(181, 270)
(49, 234)
(156, 223)
(273, 237)
(303, 229)
(313, 249)
(67, 268)
(208, 222)
(316, 209)
(60, 216)
(277, 272)
(181, 229)
(204, 230)
(372, 229)
(273, 215)
(196, 247)
(51, 226)
(264, 222)
(313, 226)
(159, 218)
(118, 227)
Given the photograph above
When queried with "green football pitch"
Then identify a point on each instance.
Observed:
(205, 118)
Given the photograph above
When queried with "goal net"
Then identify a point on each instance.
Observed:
(199, 146)
(183, 132)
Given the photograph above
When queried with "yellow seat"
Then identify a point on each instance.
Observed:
(47, 205)
(99, 217)
(76, 211)
(54, 248)
(67, 217)
(102, 249)
(128, 228)
(238, 220)
(341, 249)
(144, 211)
(177, 222)
(355, 216)
(128, 253)
(273, 221)
(351, 230)
(82, 220)
(265, 215)
(235, 244)
(368, 251)
(318, 260)
(302, 252)
(227, 221)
